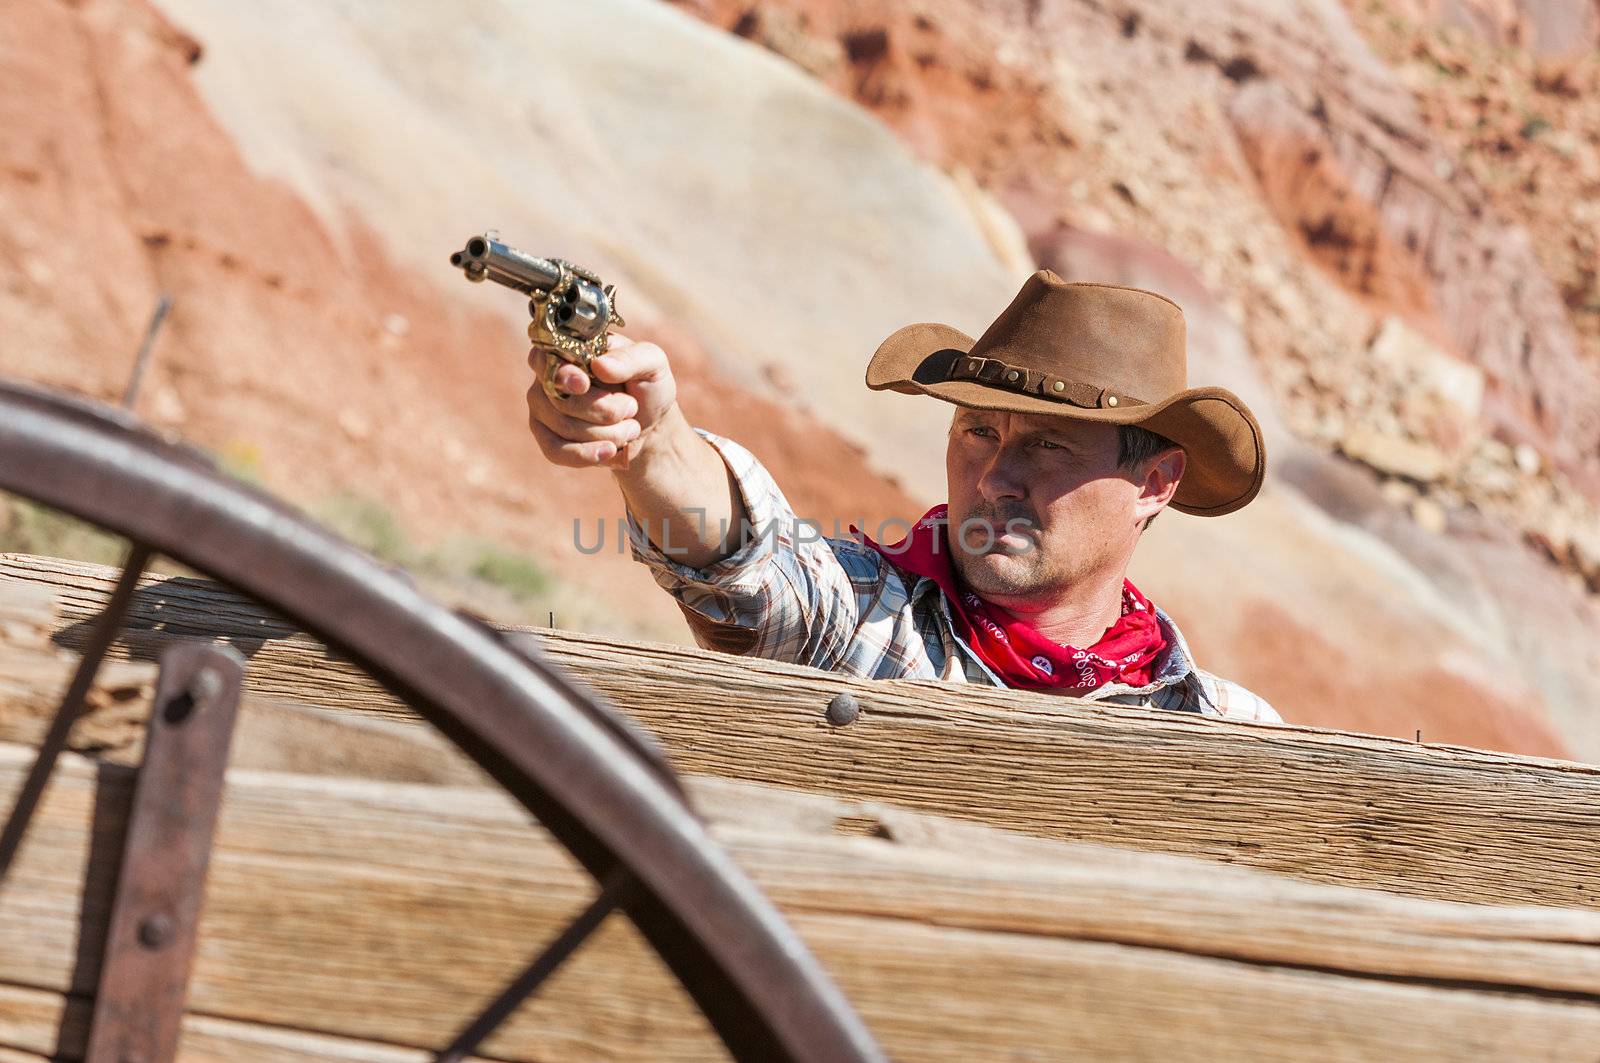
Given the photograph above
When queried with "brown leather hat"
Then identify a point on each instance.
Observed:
(1095, 352)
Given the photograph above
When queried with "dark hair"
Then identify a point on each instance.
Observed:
(1137, 445)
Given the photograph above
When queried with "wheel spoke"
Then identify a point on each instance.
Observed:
(101, 636)
(614, 891)
(148, 946)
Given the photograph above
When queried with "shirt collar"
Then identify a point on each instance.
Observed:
(1178, 663)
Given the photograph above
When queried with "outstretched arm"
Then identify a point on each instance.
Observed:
(778, 590)
(675, 484)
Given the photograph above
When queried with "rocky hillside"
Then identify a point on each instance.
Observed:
(1373, 217)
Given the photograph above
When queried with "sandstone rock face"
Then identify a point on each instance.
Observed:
(1396, 655)
(1394, 455)
(746, 202)
(1315, 198)
(307, 347)
(1443, 395)
(1417, 241)
(1545, 27)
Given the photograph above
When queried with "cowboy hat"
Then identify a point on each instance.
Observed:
(1093, 352)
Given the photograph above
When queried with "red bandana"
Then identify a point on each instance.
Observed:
(1015, 651)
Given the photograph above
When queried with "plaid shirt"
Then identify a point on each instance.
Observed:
(789, 594)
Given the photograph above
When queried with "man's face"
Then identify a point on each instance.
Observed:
(1037, 504)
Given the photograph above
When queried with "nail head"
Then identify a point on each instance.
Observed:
(843, 709)
(155, 931)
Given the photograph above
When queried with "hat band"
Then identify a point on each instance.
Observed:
(997, 374)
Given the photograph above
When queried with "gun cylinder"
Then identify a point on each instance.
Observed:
(584, 312)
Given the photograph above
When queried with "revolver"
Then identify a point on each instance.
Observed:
(573, 310)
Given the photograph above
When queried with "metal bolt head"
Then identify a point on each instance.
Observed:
(843, 709)
(206, 685)
(1059, 386)
(156, 930)
(1111, 400)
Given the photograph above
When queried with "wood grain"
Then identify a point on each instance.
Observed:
(363, 919)
(1426, 820)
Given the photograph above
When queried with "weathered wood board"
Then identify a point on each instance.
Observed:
(361, 919)
(1325, 806)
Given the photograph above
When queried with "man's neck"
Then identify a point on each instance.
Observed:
(1079, 618)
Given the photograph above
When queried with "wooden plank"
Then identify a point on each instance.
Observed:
(37, 656)
(327, 916)
(1326, 806)
(51, 1026)
(349, 913)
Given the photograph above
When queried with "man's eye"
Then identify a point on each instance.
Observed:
(1047, 445)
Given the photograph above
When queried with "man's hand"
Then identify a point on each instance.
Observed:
(605, 422)
(628, 420)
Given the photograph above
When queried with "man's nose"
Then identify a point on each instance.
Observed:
(1002, 477)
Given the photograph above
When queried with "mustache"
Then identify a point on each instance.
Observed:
(1002, 515)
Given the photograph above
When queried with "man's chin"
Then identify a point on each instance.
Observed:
(999, 574)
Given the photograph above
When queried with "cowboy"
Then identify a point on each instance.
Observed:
(1074, 427)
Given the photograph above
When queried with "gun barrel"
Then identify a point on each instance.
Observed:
(508, 266)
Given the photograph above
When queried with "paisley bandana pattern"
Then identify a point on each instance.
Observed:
(1015, 651)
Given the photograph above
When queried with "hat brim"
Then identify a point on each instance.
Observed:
(1227, 458)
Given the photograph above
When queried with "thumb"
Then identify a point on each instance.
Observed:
(641, 363)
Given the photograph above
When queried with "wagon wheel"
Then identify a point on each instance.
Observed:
(595, 783)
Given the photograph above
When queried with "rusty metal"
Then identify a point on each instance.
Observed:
(141, 361)
(540, 737)
(144, 976)
(101, 636)
(615, 891)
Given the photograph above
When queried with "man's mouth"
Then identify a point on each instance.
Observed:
(1013, 536)
(1015, 539)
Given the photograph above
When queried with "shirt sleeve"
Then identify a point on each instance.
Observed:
(1234, 702)
(783, 595)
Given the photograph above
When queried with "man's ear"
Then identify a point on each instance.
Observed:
(1160, 483)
